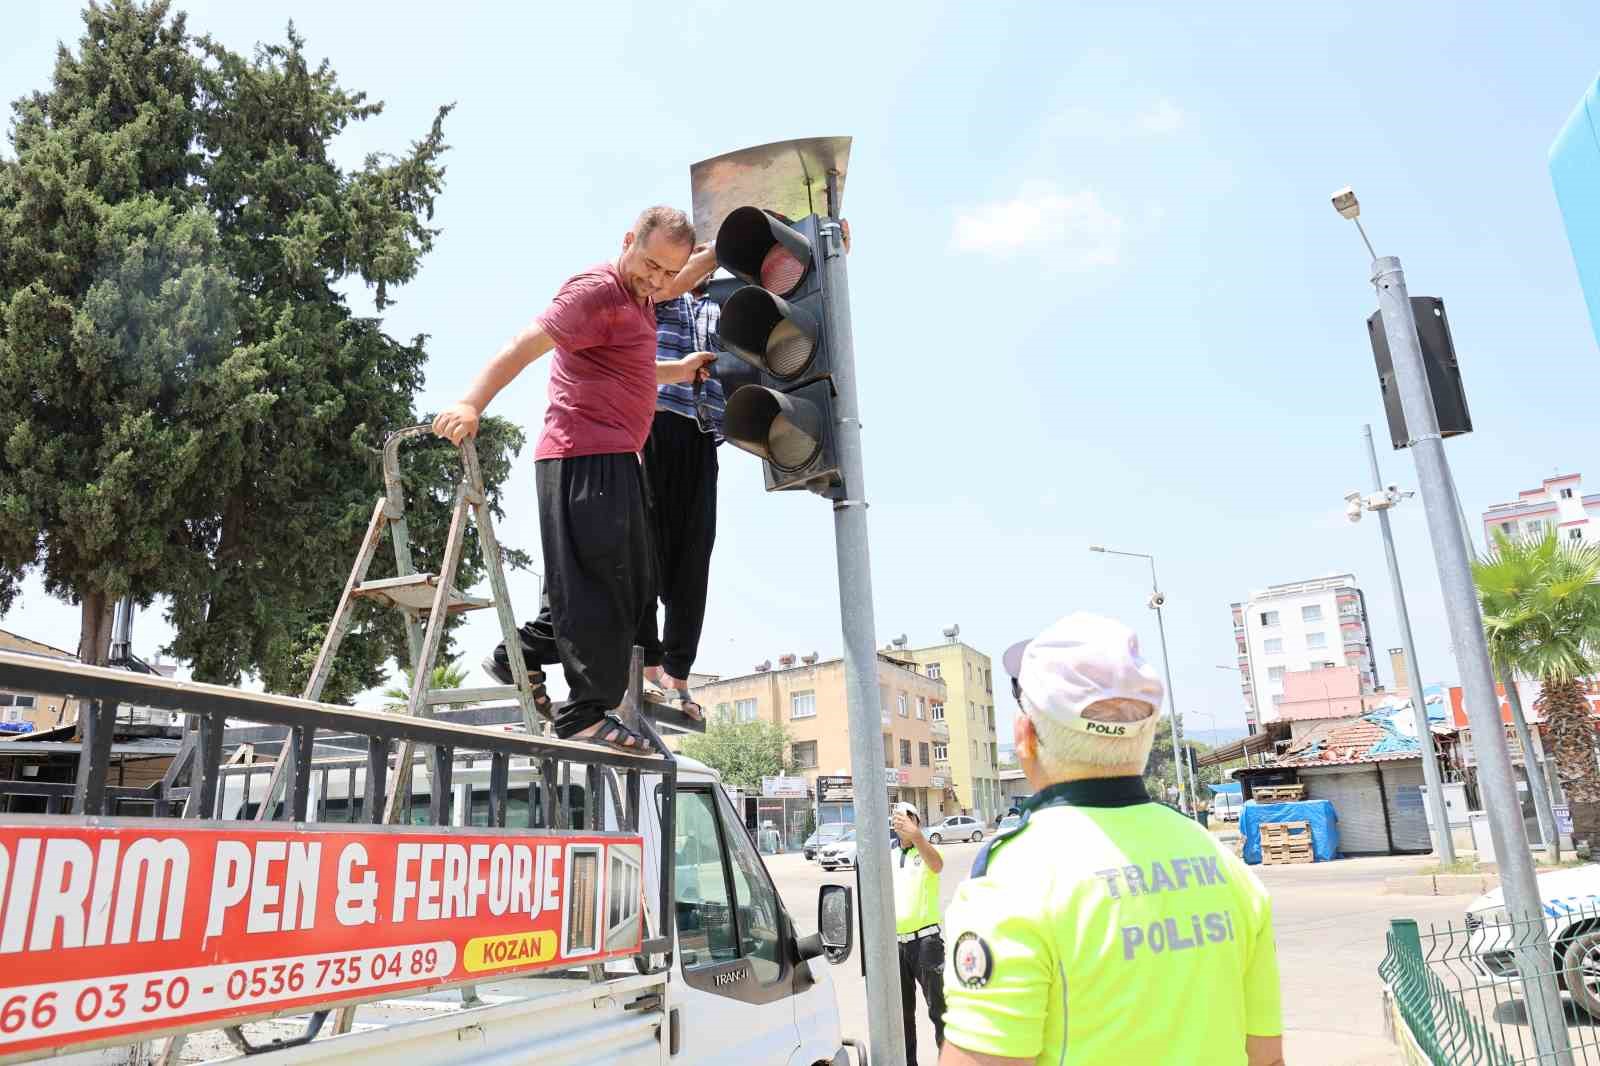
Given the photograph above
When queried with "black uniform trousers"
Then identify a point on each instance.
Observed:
(599, 579)
(922, 962)
(680, 464)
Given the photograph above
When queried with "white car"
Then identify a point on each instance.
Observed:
(956, 827)
(839, 854)
(1571, 903)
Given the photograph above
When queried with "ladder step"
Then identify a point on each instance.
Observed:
(445, 696)
(414, 592)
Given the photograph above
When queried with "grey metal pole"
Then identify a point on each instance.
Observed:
(1451, 556)
(1180, 763)
(1430, 757)
(1530, 763)
(880, 950)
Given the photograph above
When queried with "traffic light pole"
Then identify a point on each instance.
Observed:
(1453, 559)
(880, 949)
(1419, 703)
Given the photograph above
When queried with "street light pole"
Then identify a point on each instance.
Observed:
(1453, 561)
(1430, 758)
(1156, 601)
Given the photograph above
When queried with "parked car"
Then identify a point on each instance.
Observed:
(1570, 900)
(825, 834)
(840, 854)
(956, 827)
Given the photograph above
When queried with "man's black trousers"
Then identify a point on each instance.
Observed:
(680, 464)
(599, 579)
(922, 962)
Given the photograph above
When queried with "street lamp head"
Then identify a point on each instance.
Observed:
(1097, 547)
(1345, 202)
(1352, 506)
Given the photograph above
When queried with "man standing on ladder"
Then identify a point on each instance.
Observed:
(599, 567)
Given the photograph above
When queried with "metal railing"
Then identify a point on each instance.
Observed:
(1459, 989)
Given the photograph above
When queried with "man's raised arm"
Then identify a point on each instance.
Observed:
(460, 420)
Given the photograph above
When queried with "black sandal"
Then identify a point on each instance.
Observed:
(685, 701)
(541, 698)
(614, 734)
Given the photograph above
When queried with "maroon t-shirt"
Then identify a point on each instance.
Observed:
(603, 381)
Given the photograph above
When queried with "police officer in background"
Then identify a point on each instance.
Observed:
(915, 866)
(1083, 931)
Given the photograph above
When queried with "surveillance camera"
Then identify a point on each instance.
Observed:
(1344, 202)
(1157, 601)
(1392, 490)
(1353, 511)
(1351, 497)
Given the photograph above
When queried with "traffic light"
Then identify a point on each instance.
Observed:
(1444, 372)
(780, 402)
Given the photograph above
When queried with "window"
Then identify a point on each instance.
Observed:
(724, 712)
(883, 698)
(623, 892)
(1508, 528)
(969, 671)
(744, 710)
(803, 704)
(1574, 534)
(933, 671)
(1311, 613)
(905, 753)
(888, 750)
(938, 712)
(1275, 674)
(991, 719)
(1316, 640)
(900, 704)
(1566, 494)
(972, 711)
(1536, 528)
(712, 928)
(922, 753)
(580, 933)
(941, 753)
(922, 708)
(1269, 618)
(1272, 646)
(804, 754)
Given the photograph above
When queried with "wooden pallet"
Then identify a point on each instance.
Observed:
(1278, 793)
(1286, 842)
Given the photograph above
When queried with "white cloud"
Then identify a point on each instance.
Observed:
(1074, 228)
(1163, 118)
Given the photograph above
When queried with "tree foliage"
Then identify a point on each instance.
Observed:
(743, 752)
(189, 407)
(1160, 773)
(1541, 617)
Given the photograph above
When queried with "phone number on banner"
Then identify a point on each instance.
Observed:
(35, 1011)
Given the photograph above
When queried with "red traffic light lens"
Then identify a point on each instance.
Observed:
(781, 271)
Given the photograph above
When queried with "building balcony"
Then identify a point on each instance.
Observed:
(940, 729)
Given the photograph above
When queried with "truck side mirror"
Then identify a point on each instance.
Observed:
(834, 921)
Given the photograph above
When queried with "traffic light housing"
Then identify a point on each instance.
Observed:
(780, 402)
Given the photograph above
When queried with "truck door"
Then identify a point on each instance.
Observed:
(737, 1004)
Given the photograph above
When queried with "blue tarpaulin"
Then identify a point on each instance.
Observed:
(1319, 813)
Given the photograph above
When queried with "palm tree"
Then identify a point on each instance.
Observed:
(1541, 615)
(445, 675)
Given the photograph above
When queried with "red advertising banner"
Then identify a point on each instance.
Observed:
(114, 932)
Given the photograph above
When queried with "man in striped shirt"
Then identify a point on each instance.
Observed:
(680, 462)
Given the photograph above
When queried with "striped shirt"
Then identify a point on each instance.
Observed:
(689, 324)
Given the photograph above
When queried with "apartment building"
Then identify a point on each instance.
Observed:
(1300, 625)
(1558, 503)
(807, 697)
(34, 710)
(969, 741)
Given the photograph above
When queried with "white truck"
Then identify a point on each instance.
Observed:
(633, 921)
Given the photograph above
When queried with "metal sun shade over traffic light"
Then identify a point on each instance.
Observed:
(774, 325)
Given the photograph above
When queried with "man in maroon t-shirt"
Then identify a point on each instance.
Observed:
(599, 564)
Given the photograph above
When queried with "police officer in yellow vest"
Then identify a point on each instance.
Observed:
(1104, 928)
(916, 865)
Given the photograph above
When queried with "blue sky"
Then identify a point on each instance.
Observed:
(1099, 294)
